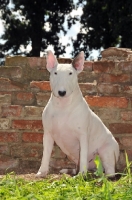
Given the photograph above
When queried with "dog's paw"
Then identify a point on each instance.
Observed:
(41, 174)
(64, 171)
(68, 171)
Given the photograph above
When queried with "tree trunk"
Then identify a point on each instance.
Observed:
(37, 24)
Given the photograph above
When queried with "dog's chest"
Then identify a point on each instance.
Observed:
(63, 128)
(65, 122)
(62, 123)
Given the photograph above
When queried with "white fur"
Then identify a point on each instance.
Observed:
(68, 120)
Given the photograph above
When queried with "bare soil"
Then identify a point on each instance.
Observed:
(30, 175)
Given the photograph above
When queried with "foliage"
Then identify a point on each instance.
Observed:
(34, 22)
(104, 23)
(99, 171)
(67, 188)
(74, 188)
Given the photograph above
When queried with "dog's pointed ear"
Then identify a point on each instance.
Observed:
(51, 61)
(78, 62)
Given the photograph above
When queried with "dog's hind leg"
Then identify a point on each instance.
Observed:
(108, 158)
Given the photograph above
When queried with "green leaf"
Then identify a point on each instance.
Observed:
(99, 171)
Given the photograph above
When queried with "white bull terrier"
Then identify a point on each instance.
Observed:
(68, 120)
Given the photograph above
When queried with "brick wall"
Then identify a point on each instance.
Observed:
(24, 91)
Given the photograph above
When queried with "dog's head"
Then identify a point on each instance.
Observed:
(63, 77)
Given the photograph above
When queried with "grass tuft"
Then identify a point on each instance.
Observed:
(88, 187)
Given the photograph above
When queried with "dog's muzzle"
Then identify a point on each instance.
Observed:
(62, 93)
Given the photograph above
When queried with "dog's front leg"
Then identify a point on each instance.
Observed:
(48, 143)
(83, 153)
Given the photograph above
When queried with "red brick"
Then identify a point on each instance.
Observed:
(7, 85)
(111, 102)
(57, 153)
(111, 78)
(11, 72)
(25, 96)
(120, 128)
(125, 66)
(116, 53)
(5, 93)
(32, 137)
(127, 89)
(87, 77)
(33, 111)
(4, 123)
(88, 66)
(9, 137)
(30, 164)
(64, 60)
(88, 88)
(105, 88)
(4, 149)
(126, 141)
(61, 163)
(103, 66)
(16, 61)
(12, 110)
(36, 62)
(121, 164)
(108, 114)
(33, 62)
(126, 115)
(42, 98)
(42, 85)
(32, 151)
(5, 98)
(82, 77)
(8, 163)
(27, 124)
(17, 150)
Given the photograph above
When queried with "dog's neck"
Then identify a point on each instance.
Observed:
(63, 102)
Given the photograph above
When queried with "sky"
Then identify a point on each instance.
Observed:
(63, 39)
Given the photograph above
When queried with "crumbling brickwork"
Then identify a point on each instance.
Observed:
(25, 90)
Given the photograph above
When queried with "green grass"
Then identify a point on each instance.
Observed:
(79, 187)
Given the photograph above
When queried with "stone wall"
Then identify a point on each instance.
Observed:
(25, 90)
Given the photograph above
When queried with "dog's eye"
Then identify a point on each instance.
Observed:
(55, 73)
(70, 73)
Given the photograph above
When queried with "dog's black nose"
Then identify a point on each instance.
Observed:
(61, 93)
